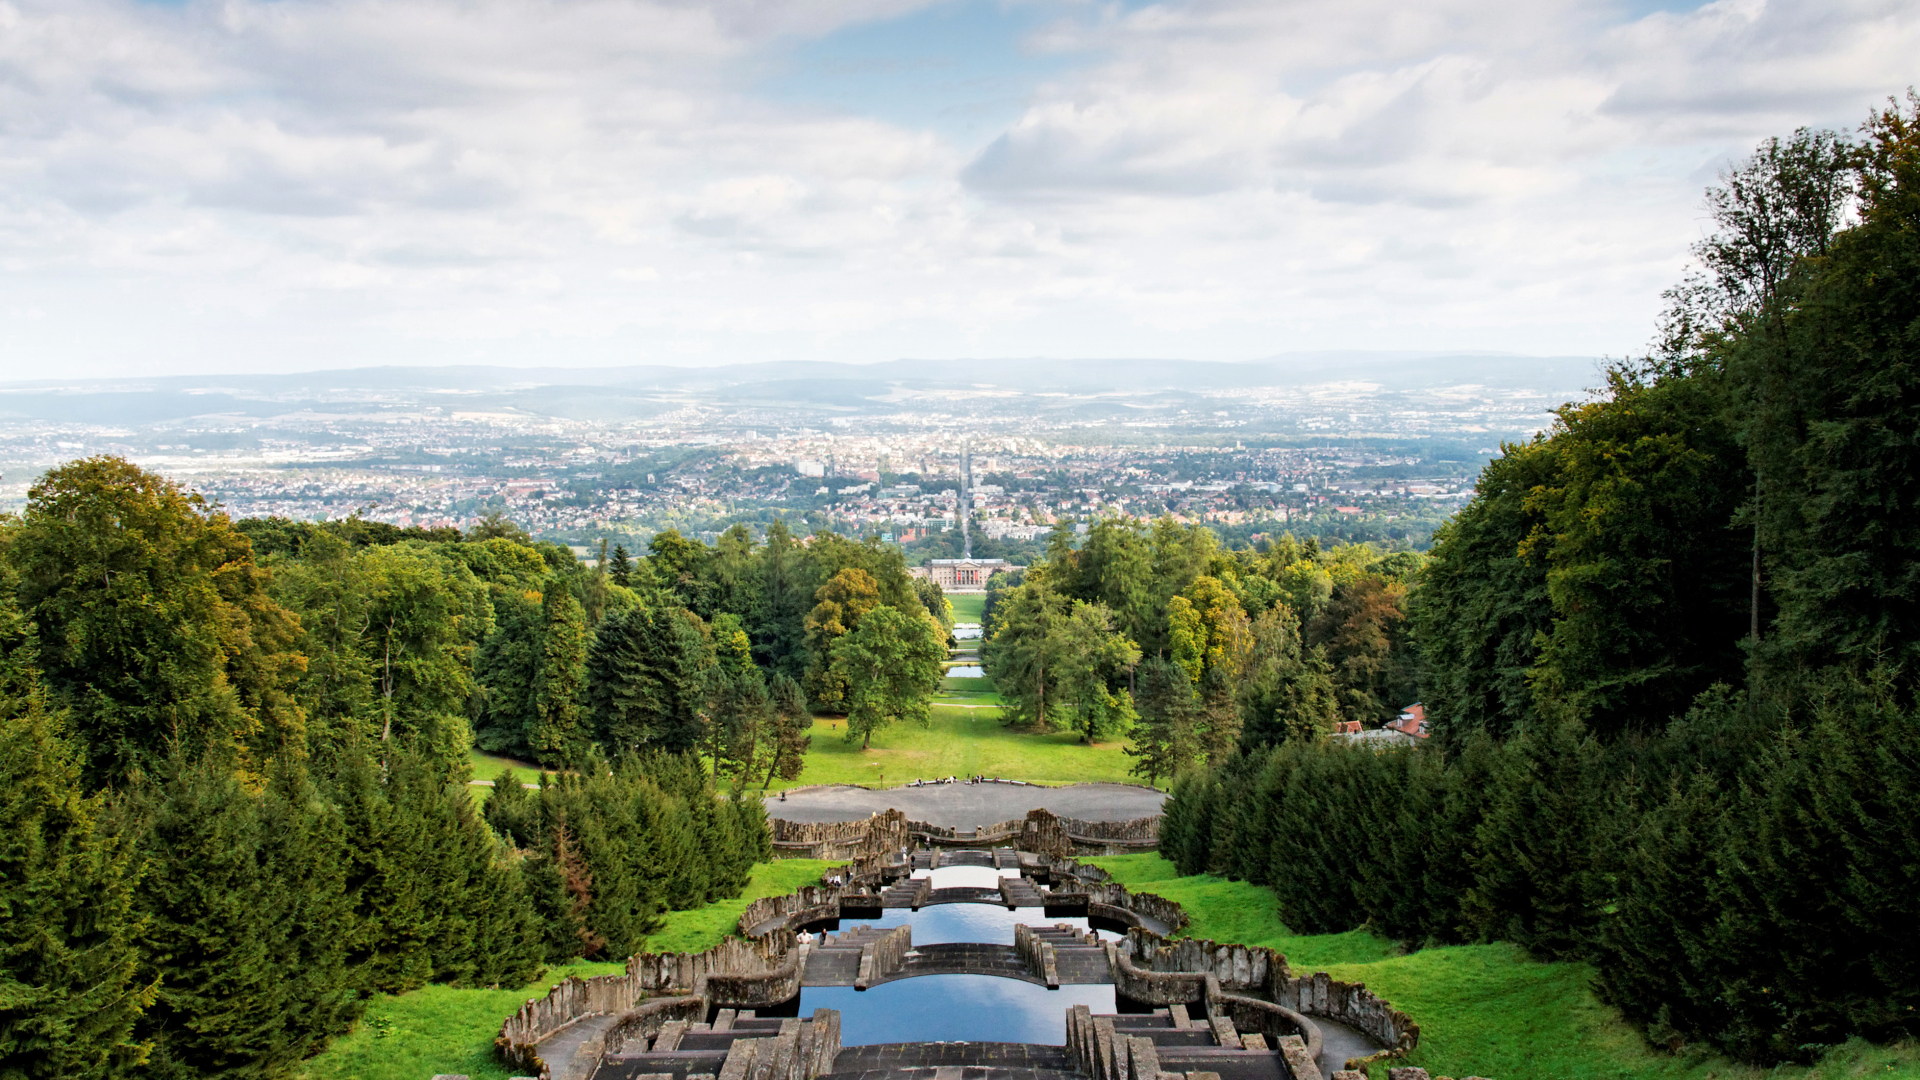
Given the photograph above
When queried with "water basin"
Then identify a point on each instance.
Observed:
(954, 1008)
(966, 671)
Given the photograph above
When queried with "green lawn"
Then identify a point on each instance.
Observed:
(967, 607)
(961, 742)
(440, 1029)
(1483, 1010)
(487, 767)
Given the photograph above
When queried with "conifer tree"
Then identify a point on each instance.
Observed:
(791, 720)
(558, 731)
(69, 997)
(620, 567)
(1534, 880)
(1164, 741)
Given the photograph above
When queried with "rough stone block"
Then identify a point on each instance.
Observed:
(723, 1020)
(1253, 1040)
(1143, 1059)
(1105, 1068)
(1349, 1074)
(1407, 1072)
(1224, 1033)
(670, 1035)
(1179, 1015)
(1202, 1076)
(1293, 1049)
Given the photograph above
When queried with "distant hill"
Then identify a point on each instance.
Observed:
(611, 392)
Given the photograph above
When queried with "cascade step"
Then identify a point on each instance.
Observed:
(895, 1056)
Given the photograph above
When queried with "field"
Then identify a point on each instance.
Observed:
(967, 607)
(961, 742)
(440, 1029)
(1483, 1010)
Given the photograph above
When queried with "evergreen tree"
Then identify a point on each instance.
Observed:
(1164, 741)
(647, 681)
(1534, 881)
(558, 733)
(1287, 691)
(791, 720)
(68, 993)
(620, 567)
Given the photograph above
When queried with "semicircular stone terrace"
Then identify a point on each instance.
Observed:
(1132, 1002)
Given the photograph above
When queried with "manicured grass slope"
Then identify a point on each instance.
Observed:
(960, 742)
(441, 1029)
(967, 607)
(1483, 1010)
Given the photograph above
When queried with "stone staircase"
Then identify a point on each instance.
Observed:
(1018, 892)
(1134, 1046)
(1078, 958)
(834, 960)
(734, 1046)
(941, 1061)
(906, 893)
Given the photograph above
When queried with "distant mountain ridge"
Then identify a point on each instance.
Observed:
(602, 392)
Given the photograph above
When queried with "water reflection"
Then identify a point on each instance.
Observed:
(966, 877)
(954, 1008)
(988, 923)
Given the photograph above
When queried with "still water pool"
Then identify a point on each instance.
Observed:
(954, 1008)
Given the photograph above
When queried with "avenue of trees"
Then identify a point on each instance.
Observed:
(234, 757)
(1154, 629)
(1669, 654)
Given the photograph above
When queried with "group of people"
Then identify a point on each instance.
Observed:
(917, 782)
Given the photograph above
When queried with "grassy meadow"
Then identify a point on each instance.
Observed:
(1483, 1010)
(960, 742)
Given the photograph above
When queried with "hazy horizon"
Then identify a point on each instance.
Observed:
(207, 186)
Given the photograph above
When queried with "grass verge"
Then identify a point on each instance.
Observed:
(444, 1029)
(1483, 1010)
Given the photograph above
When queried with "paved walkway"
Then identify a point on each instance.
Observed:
(969, 806)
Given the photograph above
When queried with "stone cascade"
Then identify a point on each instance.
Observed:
(1258, 1024)
(1041, 832)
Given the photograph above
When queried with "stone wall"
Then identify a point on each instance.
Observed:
(1350, 1003)
(1251, 968)
(882, 832)
(1040, 831)
(748, 974)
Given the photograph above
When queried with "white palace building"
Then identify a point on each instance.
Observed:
(962, 575)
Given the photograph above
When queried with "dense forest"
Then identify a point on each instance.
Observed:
(234, 756)
(1668, 653)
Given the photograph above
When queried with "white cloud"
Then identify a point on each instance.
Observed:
(294, 183)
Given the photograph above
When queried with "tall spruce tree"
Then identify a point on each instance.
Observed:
(69, 997)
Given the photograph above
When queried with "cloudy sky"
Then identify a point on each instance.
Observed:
(229, 185)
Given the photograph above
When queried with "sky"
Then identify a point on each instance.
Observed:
(210, 186)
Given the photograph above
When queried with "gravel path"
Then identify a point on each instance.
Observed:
(969, 806)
